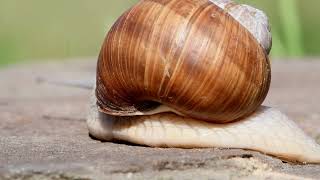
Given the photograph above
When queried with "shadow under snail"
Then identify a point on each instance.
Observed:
(192, 74)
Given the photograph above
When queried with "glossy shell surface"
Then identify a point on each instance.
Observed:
(190, 55)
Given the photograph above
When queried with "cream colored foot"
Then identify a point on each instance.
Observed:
(267, 130)
(99, 124)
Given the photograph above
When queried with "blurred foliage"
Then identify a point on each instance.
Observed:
(37, 29)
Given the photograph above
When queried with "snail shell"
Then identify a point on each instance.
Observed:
(201, 59)
(254, 20)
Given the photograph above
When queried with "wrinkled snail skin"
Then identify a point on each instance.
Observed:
(267, 130)
(192, 74)
(189, 55)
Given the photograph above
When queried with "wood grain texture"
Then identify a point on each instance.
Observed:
(186, 54)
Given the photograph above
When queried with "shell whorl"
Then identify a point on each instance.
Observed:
(254, 20)
(201, 60)
(189, 55)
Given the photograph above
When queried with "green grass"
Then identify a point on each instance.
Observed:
(37, 29)
(291, 25)
(294, 26)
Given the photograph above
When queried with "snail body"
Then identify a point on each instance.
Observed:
(191, 73)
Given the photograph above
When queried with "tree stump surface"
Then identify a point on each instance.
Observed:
(43, 133)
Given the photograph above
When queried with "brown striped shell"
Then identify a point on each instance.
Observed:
(190, 56)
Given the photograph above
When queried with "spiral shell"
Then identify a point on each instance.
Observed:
(191, 56)
(254, 20)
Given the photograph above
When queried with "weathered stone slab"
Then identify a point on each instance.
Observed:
(43, 132)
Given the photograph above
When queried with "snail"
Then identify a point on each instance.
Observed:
(192, 74)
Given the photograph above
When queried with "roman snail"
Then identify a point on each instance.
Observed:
(192, 73)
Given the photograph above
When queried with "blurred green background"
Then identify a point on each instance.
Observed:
(61, 29)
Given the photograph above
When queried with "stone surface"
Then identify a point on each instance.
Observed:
(43, 133)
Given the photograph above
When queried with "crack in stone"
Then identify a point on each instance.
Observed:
(136, 169)
(184, 165)
(62, 118)
(41, 175)
(244, 156)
